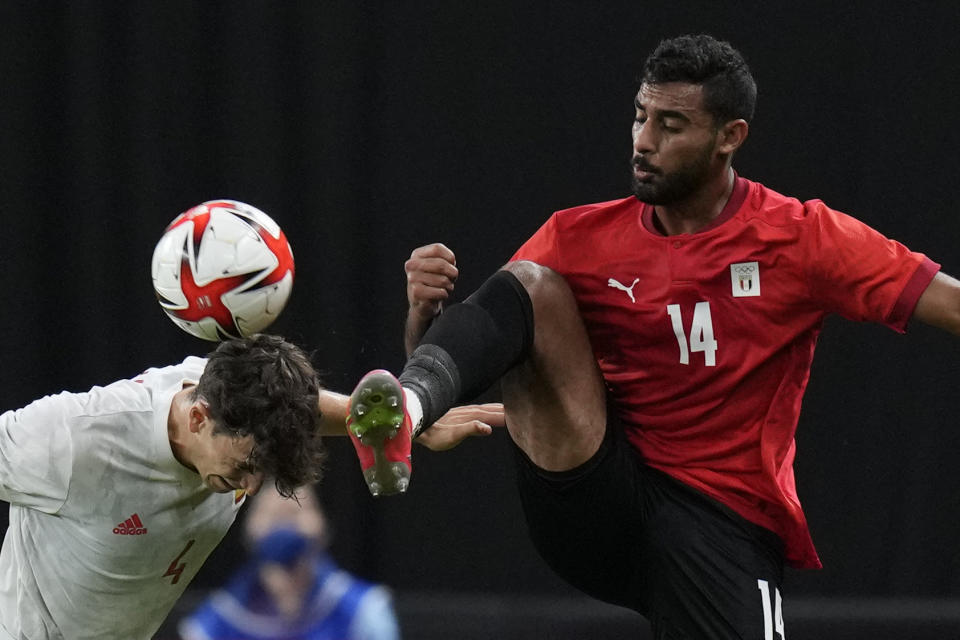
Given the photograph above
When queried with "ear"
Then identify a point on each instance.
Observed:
(731, 136)
(197, 417)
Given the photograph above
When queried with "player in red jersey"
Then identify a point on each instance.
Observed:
(653, 352)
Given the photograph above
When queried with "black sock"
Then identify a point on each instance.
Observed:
(470, 345)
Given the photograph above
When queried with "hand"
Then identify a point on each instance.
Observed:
(431, 274)
(460, 423)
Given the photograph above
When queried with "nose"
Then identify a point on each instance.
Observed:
(252, 483)
(642, 138)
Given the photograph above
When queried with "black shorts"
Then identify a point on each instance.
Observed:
(631, 535)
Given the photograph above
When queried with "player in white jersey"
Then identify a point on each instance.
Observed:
(119, 494)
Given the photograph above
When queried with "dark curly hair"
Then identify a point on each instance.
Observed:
(266, 387)
(729, 90)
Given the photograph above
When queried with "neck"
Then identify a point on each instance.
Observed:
(699, 210)
(177, 428)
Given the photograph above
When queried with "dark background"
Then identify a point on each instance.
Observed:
(368, 128)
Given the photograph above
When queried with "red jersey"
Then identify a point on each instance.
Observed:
(705, 340)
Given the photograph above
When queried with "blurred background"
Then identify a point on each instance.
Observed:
(368, 128)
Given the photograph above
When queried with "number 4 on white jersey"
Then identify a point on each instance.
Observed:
(701, 333)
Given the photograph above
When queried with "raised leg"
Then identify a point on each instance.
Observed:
(522, 326)
(555, 398)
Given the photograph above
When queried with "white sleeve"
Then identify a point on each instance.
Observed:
(36, 452)
(375, 618)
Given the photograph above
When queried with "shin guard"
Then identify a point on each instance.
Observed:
(471, 345)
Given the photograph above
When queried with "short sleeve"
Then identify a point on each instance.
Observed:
(541, 248)
(859, 273)
(375, 618)
(36, 453)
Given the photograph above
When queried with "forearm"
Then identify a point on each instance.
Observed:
(939, 305)
(414, 329)
(333, 413)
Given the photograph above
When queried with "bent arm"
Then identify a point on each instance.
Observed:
(449, 431)
(333, 413)
(939, 305)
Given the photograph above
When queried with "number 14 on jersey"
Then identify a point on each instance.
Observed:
(700, 339)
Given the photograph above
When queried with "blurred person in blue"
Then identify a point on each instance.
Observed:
(290, 589)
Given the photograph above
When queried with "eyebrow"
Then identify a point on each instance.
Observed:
(246, 465)
(665, 113)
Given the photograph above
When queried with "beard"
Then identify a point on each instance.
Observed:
(668, 188)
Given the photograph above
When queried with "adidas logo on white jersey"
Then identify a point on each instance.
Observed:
(132, 526)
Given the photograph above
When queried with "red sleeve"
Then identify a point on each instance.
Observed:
(859, 273)
(542, 246)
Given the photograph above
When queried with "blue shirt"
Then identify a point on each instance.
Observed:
(339, 607)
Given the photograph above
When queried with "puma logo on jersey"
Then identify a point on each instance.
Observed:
(622, 287)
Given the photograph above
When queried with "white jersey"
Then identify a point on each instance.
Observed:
(106, 527)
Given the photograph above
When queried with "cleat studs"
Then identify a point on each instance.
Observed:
(376, 418)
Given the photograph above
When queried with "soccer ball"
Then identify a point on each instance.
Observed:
(223, 269)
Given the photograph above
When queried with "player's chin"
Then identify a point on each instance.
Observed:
(645, 190)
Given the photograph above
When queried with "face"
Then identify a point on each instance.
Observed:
(221, 459)
(288, 586)
(674, 142)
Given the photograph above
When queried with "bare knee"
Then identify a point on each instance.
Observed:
(533, 275)
(548, 290)
(555, 401)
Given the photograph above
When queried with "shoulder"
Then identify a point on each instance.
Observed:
(163, 377)
(119, 397)
(568, 231)
(138, 394)
(607, 212)
(775, 208)
(788, 216)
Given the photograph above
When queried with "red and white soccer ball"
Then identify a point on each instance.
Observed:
(223, 269)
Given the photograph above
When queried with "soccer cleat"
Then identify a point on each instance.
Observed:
(381, 432)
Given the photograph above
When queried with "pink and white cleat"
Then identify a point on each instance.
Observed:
(381, 432)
